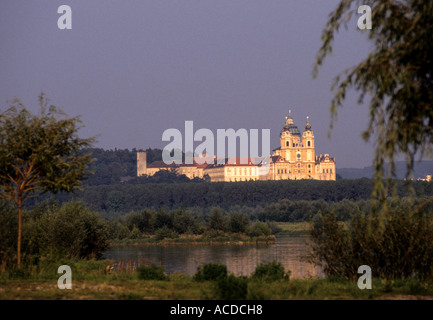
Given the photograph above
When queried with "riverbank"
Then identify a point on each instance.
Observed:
(98, 280)
(293, 228)
(285, 229)
(196, 240)
(127, 286)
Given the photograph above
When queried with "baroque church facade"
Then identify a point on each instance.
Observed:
(294, 159)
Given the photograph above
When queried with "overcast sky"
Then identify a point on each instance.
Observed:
(132, 69)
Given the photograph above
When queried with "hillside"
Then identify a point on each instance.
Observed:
(422, 169)
(115, 166)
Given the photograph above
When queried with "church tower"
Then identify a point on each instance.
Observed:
(296, 156)
(308, 149)
(290, 139)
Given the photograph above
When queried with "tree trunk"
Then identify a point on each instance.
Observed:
(19, 232)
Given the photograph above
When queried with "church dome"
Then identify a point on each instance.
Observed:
(290, 126)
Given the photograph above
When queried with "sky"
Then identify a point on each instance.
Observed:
(133, 68)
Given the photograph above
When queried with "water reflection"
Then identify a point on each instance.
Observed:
(239, 259)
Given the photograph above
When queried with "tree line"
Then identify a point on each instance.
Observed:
(128, 197)
(52, 232)
(72, 230)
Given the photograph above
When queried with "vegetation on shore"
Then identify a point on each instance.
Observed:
(225, 238)
(97, 280)
(73, 231)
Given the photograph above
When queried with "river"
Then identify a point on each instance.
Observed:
(240, 259)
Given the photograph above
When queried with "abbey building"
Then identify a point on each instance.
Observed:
(294, 159)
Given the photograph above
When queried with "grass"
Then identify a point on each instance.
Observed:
(287, 228)
(93, 280)
(294, 228)
(233, 238)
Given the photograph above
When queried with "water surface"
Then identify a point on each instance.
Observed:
(240, 259)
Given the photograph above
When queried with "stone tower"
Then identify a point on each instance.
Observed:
(141, 163)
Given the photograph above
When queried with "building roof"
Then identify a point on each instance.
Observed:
(221, 162)
(290, 126)
(275, 158)
(324, 158)
(162, 164)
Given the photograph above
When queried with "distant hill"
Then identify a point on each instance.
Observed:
(422, 169)
(119, 165)
(114, 166)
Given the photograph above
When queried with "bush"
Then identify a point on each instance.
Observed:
(258, 229)
(183, 221)
(142, 220)
(151, 272)
(165, 232)
(274, 227)
(210, 271)
(238, 222)
(52, 233)
(8, 234)
(396, 243)
(232, 287)
(21, 273)
(217, 220)
(135, 233)
(75, 229)
(270, 271)
(213, 234)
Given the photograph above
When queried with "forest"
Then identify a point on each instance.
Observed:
(128, 196)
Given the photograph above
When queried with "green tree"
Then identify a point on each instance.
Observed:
(39, 153)
(161, 219)
(143, 220)
(397, 76)
(238, 222)
(217, 220)
(183, 221)
(116, 201)
(74, 228)
(258, 229)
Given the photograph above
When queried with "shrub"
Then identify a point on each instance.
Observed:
(165, 232)
(213, 234)
(270, 271)
(53, 233)
(217, 220)
(162, 219)
(210, 271)
(396, 243)
(77, 230)
(232, 287)
(238, 222)
(8, 234)
(19, 273)
(274, 227)
(142, 220)
(183, 221)
(151, 272)
(135, 233)
(258, 229)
